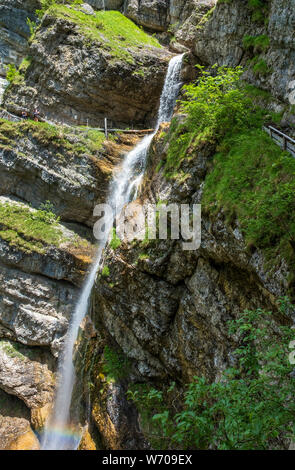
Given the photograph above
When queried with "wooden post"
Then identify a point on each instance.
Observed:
(106, 127)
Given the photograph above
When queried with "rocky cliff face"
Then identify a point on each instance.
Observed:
(168, 308)
(43, 259)
(158, 313)
(155, 15)
(236, 34)
(81, 71)
(14, 30)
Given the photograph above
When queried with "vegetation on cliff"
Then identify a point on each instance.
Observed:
(29, 230)
(115, 33)
(251, 179)
(73, 142)
(252, 407)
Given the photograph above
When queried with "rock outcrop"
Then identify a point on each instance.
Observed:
(15, 430)
(17, 362)
(46, 249)
(167, 308)
(16, 434)
(223, 40)
(107, 4)
(40, 163)
(83, 71)
(14, 30)
(164, 15)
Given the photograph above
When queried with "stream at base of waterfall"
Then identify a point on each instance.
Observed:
(59, 434)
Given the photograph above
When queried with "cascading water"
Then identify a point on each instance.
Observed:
(3, 84)
(58, 434)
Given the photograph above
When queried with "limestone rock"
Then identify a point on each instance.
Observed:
(14, 30)
(153, 15)
(39, 416)
(116, 419)
(87, 9)
(76, 79)
(26, 373)
(164, 15)
(167, 308)
(221, 41)
(87, 443)
(107, 4)
(16, 434)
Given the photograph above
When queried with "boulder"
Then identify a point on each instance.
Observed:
(17, 434)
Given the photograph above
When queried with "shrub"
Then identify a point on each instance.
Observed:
(252, 407)
(215, 105)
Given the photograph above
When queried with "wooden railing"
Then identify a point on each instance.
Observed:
(281, 139)
(12, 117)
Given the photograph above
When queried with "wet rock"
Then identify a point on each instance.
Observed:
(16, 434)
(26, 373)
(39, 416)
(116, 419)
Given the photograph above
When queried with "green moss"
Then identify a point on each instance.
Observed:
(111, 29)
(143, 256)
(72, 141)
(29, 230)
(253, 180)
(11, 349)
(115, 242)
(255, 92)
(260, 10)
(259, 43)
(205, 18)
(260, 66)
(116, 365)
(105, 271)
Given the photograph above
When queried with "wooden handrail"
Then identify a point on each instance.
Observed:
(286, 142)
(12, 117)
(285, 136)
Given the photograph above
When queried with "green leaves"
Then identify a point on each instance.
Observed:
(215, 106)
(251, 407)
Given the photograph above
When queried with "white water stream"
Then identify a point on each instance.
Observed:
(58, 434)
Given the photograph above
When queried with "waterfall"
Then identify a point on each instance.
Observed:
(58, 434)
(3, 84)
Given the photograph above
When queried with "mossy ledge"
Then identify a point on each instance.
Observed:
(115, 33)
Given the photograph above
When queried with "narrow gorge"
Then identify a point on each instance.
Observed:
(113, 335)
